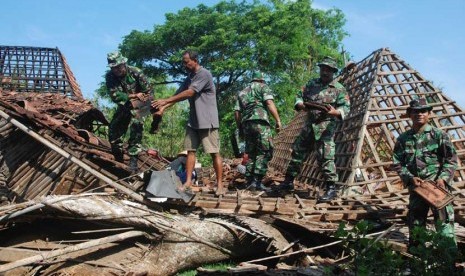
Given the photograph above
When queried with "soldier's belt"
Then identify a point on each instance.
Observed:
(436, 196)
(317, 106)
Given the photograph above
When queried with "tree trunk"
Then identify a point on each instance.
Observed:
(173, 242)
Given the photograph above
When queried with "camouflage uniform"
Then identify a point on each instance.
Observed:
(429, 155)
(134, 82)
(256, 127)
(318, 132)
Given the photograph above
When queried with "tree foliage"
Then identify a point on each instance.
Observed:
(281, 38)
(435, 254)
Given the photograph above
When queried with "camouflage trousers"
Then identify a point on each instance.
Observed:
(259, 147)
(319, 138)
(418, 213)
(122, 119)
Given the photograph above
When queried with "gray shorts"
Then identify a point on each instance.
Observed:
(209, 138)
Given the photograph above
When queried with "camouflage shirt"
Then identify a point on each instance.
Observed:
(250, 102)
(428, 154)
(334, 94)
(134, 82)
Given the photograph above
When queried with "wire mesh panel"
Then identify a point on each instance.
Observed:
(283, 143)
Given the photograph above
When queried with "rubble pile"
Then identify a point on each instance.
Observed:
(68, 207)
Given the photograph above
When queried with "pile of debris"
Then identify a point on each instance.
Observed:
(69, 208)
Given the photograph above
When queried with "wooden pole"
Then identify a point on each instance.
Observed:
(43, 203)
(77, 247)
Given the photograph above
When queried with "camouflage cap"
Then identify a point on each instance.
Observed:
(258, 76)
(419, 104)
(330, 62)
(115, 59)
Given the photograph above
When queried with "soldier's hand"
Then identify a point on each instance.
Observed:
(139, 96)
(333, 111)
(278, 126)
(416, 181)
(300, 106)
(441, 183)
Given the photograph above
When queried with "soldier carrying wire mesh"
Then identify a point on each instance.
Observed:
(126, 83)
(326, 101)
(426, 153)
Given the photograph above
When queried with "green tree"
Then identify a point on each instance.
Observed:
(281, 38)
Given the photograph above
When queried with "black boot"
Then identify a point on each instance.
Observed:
(251, 183)
(133, 164)
(245, 185)
(256, 184)
(287, 184)
(117, 153)
(330, 194)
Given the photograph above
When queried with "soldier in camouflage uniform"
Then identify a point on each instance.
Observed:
(318, 133)
(125, 82)
(425, 153)
(251, 114)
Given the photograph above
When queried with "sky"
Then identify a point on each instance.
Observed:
(428, 34)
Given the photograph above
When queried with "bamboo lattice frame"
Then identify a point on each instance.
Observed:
(36, 69)
(380, 88)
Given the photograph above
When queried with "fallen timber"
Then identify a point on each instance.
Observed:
(236, 236)
(73, 163)
(62, 160)
(382, 205)
(353, 209)
(293, 209)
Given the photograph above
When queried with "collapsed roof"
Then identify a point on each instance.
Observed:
(53, 141)
(380, 88)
